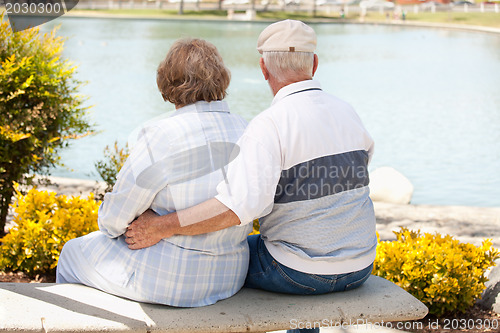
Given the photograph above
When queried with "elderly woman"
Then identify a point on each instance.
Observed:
(172, 166)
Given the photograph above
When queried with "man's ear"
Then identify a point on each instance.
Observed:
(315, 64)
(263, 68)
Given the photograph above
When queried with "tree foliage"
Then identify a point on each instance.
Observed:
(39, 106)
(108, 169)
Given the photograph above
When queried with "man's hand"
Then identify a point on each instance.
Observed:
(148, 229)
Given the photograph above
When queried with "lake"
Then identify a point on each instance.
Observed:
(429, 97)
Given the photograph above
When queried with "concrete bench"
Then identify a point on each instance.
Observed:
(76, 308)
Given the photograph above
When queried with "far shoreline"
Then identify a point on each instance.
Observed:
(97, 14)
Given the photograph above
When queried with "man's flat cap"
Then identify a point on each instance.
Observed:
(287, 36)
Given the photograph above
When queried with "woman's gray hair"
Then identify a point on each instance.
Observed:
(192, 71)
(289, 66)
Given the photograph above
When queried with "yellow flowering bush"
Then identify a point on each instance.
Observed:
(256, 227)
(443, 273)
(44, 223)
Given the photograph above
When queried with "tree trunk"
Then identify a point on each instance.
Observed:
(181, 7)
(6, 194)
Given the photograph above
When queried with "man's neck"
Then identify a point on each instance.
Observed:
(277, 86)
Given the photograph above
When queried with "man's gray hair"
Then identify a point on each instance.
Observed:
(289, 66)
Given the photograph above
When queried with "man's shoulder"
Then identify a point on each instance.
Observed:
(330, 98)
(266, 115)
(261, 123)
(301, 105)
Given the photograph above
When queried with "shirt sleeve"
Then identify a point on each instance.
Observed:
(371, 150)
(137, 184)
(253, 176)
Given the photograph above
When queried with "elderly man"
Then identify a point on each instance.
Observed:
(302, 170)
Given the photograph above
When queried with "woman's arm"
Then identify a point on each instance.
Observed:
(130, 199)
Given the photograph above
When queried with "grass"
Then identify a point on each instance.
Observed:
(489, 19)
(479, 19)
(303, 16)
(167, 13)
(485, 19)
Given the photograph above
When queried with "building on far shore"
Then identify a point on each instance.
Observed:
(417, 2)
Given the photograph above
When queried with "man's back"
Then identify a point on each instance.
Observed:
(322, 218)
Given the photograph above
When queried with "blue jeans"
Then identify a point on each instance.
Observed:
(266, 273)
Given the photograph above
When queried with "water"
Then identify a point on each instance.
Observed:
(430, 98)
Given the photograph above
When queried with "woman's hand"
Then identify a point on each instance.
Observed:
(148, 229)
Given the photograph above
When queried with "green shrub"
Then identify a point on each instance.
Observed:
(113, 161)
(45, 222)
(40, 110)
(444, 274)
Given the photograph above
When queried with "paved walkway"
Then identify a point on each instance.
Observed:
(468, 224)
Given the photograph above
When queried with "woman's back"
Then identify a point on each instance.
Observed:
(181, 270)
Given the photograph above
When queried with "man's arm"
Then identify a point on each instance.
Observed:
(209, 216)
(252, 195)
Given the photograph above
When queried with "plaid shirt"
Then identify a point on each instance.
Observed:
(172, 167)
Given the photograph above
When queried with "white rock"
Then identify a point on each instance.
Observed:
(490, 299)
(389, 185)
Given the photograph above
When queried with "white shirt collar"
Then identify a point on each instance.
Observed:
(295, 88)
